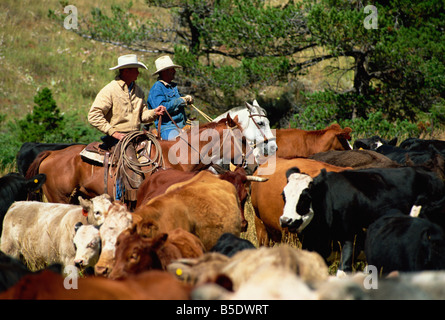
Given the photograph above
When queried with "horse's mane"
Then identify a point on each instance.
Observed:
(236, 109)
(213, 125)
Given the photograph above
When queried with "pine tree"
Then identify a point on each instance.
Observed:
(45, 119)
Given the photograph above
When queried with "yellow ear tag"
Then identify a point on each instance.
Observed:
(36, 181)
(179, 272)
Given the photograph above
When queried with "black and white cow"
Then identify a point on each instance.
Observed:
(336, 206)
(404, 243)
(15, 187)
(373, 143)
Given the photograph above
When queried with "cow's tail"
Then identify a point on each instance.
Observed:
(35, 165)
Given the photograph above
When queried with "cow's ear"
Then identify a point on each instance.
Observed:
(77, 226)
(393, 142)
(291, 171)
(159, 240)
(35, 183)
(85, 204)
(346, 133)
(304, 203)
(146, 228)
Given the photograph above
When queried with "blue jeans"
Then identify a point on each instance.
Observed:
(170, 134)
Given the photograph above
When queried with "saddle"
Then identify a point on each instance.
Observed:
(94, 152)
(125, 160)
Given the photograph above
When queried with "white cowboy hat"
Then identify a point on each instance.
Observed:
(164, 63)
(128, 61)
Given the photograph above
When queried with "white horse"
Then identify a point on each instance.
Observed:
(256, 128)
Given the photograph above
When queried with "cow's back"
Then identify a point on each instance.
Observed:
(159, 182)
(294, 143)
(204, 205)
(376, 189)
(357, 159)
(345, 202)
(398, 242)
(41, 233)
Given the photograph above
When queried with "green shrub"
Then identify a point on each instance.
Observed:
(45, 124)
(324, 108)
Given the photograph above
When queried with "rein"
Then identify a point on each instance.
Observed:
(265, 139)
(236, 142)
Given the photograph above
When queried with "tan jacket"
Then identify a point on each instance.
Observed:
(114, 109)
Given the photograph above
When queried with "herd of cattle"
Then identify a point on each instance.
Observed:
(184, 239)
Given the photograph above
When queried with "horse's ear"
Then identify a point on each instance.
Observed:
(232, 122)
(249, 106)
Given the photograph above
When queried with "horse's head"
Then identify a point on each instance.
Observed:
(256, 129)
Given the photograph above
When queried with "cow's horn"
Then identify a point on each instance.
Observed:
(257, 179)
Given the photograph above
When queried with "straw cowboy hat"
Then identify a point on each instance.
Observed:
(164, 63)
(128, 61)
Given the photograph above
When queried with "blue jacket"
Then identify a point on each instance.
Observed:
(167, 95)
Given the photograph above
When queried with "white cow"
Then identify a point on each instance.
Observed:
(42, 233)
(117, 220)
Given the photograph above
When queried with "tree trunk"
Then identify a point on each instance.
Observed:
(361, 78)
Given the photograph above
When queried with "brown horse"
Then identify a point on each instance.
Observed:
(68, 175)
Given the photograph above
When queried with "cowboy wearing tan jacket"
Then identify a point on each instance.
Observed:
(120, 107)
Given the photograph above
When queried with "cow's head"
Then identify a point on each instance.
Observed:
(95, 209)
(87, 244)
(297, 212)
(340, 137)
(135, 253)
(117, 220)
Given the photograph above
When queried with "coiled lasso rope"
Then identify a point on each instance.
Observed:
(134, 164)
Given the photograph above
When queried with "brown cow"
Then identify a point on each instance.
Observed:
(135, 253)
(267, 199)
(204, 205)
(160, 181)
(149, 285)
(294, 143)
(357, 159)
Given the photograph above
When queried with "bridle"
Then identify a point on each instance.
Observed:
(221, 144)
(265, 139)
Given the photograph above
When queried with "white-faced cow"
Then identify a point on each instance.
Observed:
(42, 233)
(87, 244)
(336, 206)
